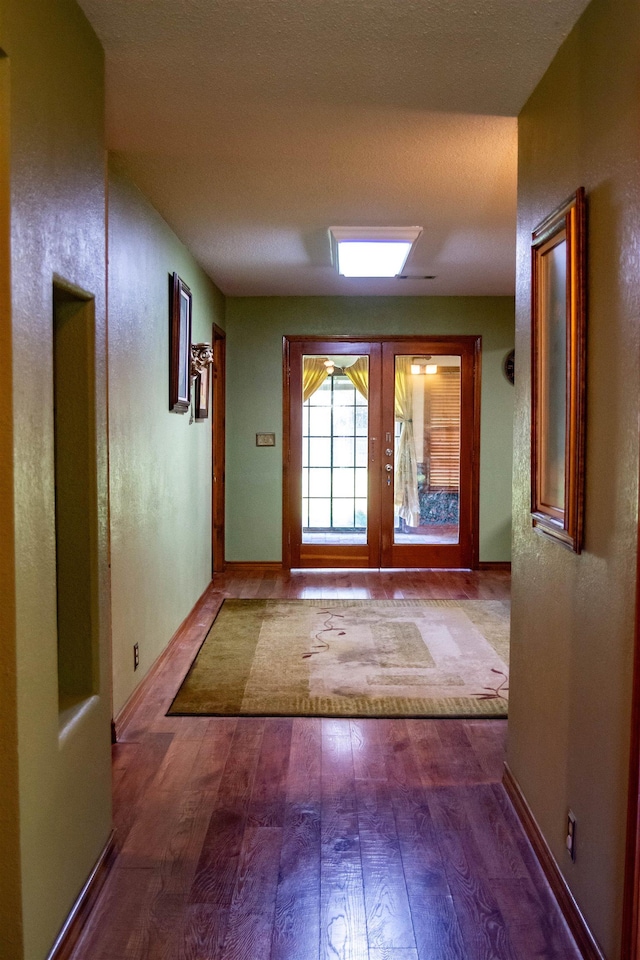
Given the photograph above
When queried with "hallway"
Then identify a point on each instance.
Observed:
(310, 839)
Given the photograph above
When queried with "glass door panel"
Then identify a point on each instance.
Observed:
(332, 488)
(335, 436)
(430, 423)
(426, 474)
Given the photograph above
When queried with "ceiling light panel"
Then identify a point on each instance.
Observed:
(372, 251)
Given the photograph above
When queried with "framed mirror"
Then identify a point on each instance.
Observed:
(558, 284)
(179, 345)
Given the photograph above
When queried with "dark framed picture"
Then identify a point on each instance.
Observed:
(201, 394)
(179, 345)
(558, 284)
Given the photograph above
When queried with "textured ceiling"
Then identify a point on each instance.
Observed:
(254, 125)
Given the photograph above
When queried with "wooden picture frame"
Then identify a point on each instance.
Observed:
(201, 392)
(558, 285)
(179, 345)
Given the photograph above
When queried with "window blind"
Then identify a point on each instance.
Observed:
(444, 430)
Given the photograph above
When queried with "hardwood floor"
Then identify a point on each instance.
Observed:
(318, 839)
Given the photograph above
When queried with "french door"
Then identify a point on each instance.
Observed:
(381, 452)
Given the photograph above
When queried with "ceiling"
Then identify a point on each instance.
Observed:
(255, 125)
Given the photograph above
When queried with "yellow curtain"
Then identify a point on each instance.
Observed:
(406, 472)
(358, 373)
(314, 373)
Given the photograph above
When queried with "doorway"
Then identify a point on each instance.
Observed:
(219, 343)
(382, 442)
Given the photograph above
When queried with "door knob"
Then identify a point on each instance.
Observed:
(389, 452)
(388, 467)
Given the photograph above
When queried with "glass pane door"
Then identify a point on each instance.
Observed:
(335, 438)
(426, 474)
(381, 452)
(430, 423)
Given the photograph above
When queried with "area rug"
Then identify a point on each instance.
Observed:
(351, 658)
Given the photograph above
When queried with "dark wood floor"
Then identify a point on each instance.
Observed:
(318, 839)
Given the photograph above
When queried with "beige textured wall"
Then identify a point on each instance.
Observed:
(57, 228)
(573, 616)
(160, 464)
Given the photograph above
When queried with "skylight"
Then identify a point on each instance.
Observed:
(371, 258)
(372, 251)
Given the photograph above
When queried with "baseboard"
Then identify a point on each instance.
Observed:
(576, 922)
(74, 924)
(120, 721)
(494, 565)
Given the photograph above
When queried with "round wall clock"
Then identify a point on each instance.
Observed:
(509, 366)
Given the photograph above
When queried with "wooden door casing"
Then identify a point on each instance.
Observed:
(296, 553)
(464, 554)
(380, 551)
(219, 342)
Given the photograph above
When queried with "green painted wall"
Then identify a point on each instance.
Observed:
(573, 616)
(160, 463)
(57, 230)
(255, 327)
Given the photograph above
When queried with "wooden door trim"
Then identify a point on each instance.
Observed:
(388, 338)
(631, 901)
(288, 507)
(475, 464)
(471, 340)
(470, 348)
(286, 448)
(218, 435)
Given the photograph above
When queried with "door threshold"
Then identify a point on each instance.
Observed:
(380, 569)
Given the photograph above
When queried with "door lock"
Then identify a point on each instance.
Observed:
(388, 467)
(389, 452)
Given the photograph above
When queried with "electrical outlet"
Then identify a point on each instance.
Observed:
(136, 656)
(571, 834)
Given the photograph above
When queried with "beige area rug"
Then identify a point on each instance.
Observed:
(351, 658)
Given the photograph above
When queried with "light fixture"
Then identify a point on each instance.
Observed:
(372, 251)
(201, 358)
(421, 366)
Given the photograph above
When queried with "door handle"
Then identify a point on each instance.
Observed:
(388, 467)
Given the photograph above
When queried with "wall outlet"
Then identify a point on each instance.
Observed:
(571, 834)
(136, 656)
